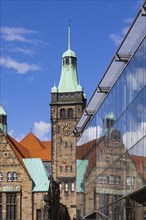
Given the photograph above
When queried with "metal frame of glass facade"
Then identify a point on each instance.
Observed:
(111, 147)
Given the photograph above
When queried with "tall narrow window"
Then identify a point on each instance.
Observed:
(67, 60)
(38, 214)
(0, 206)
(66, 187)
(70, 113)
(60, 187)
(72, 187)
(11, 206)
(1, 177)
(62, 113)
(9, 176)
(130, 180)
(14, 176)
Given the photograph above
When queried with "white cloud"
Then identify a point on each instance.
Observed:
(18, 138)
(131, 138)
(128, 20)
(11, 132)
(125, 30)
(116, 38)
(42, 129)
(25, 51)
(20, 68)
(17, 34)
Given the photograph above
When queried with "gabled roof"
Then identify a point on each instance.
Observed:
(38, 174)
(16, 149)
(44, 154)
(19, 147)
(36, 148)
(30, 141)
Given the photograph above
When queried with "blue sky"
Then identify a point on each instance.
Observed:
(33, 37)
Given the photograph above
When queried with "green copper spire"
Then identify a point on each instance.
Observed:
(3, 120)
(69, 37)
(69, 78)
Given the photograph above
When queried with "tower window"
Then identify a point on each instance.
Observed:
(62, 113)
(73, 61)
(72, 187)
(66, 187)
(1, 177)
(70, 113)
(60, 187)
(66, 60)
(66, 168)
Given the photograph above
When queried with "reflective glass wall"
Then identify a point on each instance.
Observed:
(114, 148)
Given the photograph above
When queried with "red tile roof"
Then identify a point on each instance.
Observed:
(140, 162)
(19, 151)
(30, 141)
(36, 148)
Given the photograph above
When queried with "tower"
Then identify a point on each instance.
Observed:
(67, 104)
(3, 120)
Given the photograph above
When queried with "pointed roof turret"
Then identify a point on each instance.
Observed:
(3, 120)
(69, 52)
(69, 78)
(2, 111)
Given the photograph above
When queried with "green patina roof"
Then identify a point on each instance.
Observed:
(54, 89)
(68, 53)
(81, 168)
(38, 174)
(69, 78)
(2, 111)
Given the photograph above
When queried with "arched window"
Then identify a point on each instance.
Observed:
(62, 113)
(14, 176)
(70, 113)
(9, 176)
(1, 177)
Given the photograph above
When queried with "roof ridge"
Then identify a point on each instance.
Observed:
(31, 135)
(16, 144)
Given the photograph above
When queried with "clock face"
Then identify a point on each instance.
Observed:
(65, 129)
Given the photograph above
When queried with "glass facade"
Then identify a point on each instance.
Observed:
(112, 150)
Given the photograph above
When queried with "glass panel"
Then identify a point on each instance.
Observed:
(111, 153)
